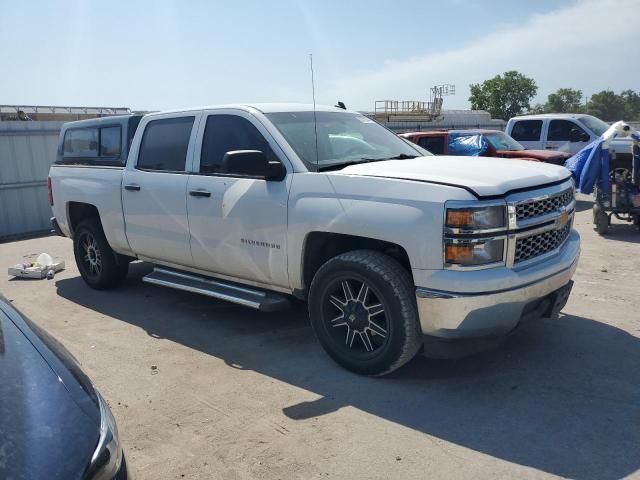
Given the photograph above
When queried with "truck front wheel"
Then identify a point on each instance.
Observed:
(99, 266)
(363, 311)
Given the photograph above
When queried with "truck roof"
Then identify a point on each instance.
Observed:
(437, 133)
(262, 107)
(100, 120)
(550, 115)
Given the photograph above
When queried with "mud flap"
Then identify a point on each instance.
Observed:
(559, 300)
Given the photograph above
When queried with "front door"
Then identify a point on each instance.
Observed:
(154, 190)
(566, 136)
(238, 225)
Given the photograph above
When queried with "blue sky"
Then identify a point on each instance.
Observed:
(170, 54)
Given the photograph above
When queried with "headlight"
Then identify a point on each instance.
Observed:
(475, 234)
(474, 252)
(475, 218)
(107, 457)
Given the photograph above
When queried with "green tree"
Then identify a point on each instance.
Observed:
(607, 106)
(503, 96)
(631, 102)
(565, 100)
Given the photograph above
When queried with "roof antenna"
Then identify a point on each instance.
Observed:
(315, 121)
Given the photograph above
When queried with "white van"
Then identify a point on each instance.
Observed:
(565, 132)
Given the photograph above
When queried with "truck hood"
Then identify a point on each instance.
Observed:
(483, 176)
(543, 155)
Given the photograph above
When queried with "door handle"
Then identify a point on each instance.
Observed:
(199, 193)
(132, 188)
(550, 148)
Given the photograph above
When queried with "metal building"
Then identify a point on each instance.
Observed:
(27, 149)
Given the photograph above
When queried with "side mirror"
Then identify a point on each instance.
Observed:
(252, 163)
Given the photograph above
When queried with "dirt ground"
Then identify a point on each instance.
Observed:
(240, 394)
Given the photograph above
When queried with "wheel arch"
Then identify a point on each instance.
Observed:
(80, 211)
(320, 246)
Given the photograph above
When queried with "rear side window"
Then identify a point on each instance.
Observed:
(165, 143)
(110, 142)
(81, 142)
(527, 130)
(561, 130)
(93, 145)
(434, 144)
(226, 133)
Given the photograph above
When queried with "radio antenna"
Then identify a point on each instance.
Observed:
(315, 120)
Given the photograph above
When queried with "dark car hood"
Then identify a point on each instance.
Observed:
(46, 429)
(543, 155)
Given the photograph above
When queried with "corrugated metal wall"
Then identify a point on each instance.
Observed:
(27, 149)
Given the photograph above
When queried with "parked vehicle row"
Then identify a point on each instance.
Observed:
(256, 204)
(477, 142)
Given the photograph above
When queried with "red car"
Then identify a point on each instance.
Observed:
(485, 143)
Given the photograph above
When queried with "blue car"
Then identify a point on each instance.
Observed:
(53, 423)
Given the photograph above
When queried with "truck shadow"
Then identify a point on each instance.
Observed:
(562, 397)
(621, 232)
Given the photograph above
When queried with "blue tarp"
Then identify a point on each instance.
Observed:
(473, 145)
(585, 166)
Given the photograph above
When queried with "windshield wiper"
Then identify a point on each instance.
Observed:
(337, 166)
(402, 156)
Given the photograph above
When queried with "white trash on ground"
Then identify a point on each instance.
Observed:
(44, 266)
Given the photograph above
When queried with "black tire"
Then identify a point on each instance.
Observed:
(100, 267)
(376, 286)
(601, 220)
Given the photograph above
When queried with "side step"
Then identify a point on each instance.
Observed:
(240, 294)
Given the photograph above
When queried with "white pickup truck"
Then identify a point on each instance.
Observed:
(566, 132)
(258, 204)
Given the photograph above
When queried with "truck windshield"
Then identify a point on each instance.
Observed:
(344, 138)
(502, 141)
(594, 124)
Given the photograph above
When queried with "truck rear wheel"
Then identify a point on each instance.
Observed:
(363, 311)
(100, 267)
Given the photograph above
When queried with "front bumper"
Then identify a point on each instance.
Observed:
(450, 315)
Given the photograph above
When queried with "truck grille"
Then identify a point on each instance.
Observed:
(540, 243)
(537, 208)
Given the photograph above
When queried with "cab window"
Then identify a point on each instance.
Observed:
(434, 144)
(227, 133)
(564, 130)
(164, 144)
(526, 130)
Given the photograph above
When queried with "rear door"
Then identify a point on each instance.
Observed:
(238, 224)
(528, 133)
(154, 189)
(565, 136)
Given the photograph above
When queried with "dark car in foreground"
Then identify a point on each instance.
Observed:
(53, 423)
(479, 142)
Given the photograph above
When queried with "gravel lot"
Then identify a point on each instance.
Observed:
(234, 393)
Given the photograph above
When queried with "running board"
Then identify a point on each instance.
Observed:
(240, 294)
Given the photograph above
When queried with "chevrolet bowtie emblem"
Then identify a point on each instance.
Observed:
(562, 220)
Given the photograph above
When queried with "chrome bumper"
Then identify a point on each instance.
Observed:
(460, 315)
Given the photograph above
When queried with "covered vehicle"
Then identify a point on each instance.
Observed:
(53, 423)
(480, 143)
